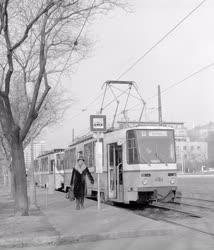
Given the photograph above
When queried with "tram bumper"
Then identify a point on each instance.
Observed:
(164, 194)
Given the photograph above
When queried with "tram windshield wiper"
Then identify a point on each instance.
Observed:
(159, 157)
(144, 159)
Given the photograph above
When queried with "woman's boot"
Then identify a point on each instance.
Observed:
(77, 204)
(82, 202)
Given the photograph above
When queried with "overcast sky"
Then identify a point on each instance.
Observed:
(121, 38)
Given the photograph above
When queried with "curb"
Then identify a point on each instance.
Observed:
(67, 239)
(28, 241)
(112, 236)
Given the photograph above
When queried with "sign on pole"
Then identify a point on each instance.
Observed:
(98, 125)
(99, 157)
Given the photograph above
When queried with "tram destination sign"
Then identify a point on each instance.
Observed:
(98, 123)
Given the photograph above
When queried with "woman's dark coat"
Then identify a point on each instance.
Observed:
(78, 181)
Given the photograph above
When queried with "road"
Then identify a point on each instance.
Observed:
(161, 243)
(184, 240)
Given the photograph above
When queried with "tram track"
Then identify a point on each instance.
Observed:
(168, 206)
(166, 213)
(184, 215)
(186, 220)
(193, 205)
(195, 199)
(179, 224)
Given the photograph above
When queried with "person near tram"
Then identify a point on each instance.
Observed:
(78, 181)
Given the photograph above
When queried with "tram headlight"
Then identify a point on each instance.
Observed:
(172, 181)
(145, 181)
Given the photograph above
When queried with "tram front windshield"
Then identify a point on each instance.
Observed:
(150, 146)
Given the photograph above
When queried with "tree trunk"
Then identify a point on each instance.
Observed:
(12, 186)
(20, 180)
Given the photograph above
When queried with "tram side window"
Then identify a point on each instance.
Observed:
(66, 159)
(89, 154)
(60, 161)
(52, 166)
(73, 157)
(132, 149)
(44, 163)
(70, 158)
(36, 166)
(111, 155)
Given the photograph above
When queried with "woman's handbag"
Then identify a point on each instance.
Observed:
(70, 194)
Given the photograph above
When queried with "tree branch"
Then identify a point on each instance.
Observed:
(47, 88)
(9, 51)
(32, 115)
(29, 26)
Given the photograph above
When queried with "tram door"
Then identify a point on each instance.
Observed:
(115, 172)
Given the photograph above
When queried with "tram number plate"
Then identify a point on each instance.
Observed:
(159, 179)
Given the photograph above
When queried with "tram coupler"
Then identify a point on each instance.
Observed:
(169, 197)
(178, 196)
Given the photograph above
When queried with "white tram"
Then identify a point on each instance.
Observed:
(139, 164)
(49, 169)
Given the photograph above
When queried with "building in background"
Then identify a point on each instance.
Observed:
(205, 133)
(192, 156)
(201, 133)
(38, 148)
(210, 142)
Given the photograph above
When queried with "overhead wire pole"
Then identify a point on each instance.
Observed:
(159, 106)
(162, 38)
(181, 81)
(144, 103)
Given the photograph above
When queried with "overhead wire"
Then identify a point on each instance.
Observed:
(143, 56)
(74, 44)
(185, 79)
(180, 82)
(134, 96)
(162, 38)
(87, 106)
(69, 56)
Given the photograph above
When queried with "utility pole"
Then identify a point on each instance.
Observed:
(73, 135)
(159, 107)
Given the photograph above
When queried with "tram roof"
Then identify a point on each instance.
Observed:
(54, 151)
(115, 130)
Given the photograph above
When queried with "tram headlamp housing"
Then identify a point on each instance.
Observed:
(172, 181)
(145, 181)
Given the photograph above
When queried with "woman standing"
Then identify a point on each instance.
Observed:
(78, 181)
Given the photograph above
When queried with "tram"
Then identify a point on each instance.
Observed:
(49, 169)
(139, 164)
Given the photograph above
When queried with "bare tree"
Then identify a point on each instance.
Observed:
(51, 111)
(6, 162)
(37, 38)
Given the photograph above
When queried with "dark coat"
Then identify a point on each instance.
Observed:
(78, 181)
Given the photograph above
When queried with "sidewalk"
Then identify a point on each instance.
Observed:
(57, 222)
(25, 230)
(89, 224)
